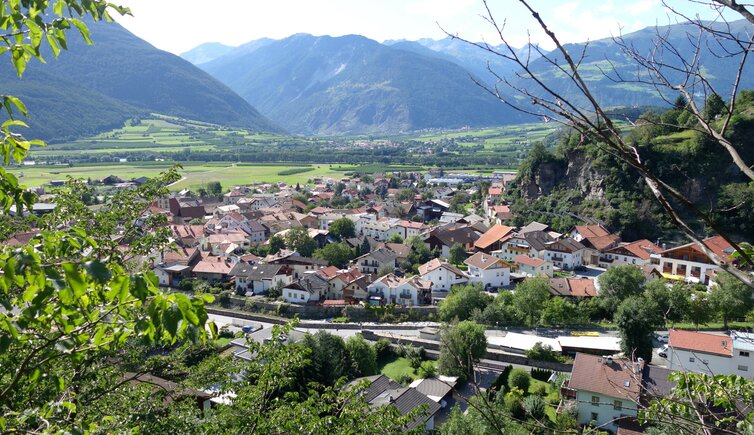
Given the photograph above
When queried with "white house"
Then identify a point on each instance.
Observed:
(403, 291)
(566, 253)
(259, 278)
(226, 209)
(442, 275)
(690, 263)
(714, 354)
(490, 271)
(639, 253)
(531, 266)
(516, 245)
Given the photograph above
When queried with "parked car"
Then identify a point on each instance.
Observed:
(663, 351)
(661, 338)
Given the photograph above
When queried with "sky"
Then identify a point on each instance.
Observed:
(180, 25)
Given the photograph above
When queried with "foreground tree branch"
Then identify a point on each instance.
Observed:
(592, 121)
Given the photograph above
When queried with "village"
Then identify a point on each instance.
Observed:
(407, 240)
(221, 241)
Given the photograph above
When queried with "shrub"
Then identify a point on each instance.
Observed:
(544, 353)
(541, 374)
(427, 369)
(501, 383)
(519, 378)
(223, 298)
(540, 390)
(225, 332)
(340, 320)
(383, 348)
(512, 403)
(534, 406)
(405, 379)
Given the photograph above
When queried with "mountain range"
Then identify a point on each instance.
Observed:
(354, 85)
(325, 85)
(90, 89)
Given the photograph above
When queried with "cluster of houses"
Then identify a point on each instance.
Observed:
(215, 239)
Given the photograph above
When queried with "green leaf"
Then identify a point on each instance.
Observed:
(85, 32)
(118, 288)
(53, 43)
(140, 290)
(207, 298)
(75, 280)
(10, 99)
(98, 271)
(19, 59)
(170, 318)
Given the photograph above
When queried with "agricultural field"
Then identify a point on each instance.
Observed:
(194, 174)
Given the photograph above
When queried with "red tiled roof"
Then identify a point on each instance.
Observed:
(495, 191)
(528, 261)
(716, 244)
(615, 379)
(701, 342)
(640, 248)
(582, 287)
(486, 261)
(329, 272)
(213, 265)
(588, 231)
(603, 242)
(496, 233)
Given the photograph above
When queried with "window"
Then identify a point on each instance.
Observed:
(692, 359)
(596, 400)
(617, 405)
(743, 353)
(595, 416)
(743, 368)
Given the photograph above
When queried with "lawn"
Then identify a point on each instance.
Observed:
(397, 368)
(195, 175)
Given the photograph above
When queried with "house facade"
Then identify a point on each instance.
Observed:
(713, 354)
(491, 272)
(442, 275)
(690, 263)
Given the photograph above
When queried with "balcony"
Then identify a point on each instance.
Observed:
(405, 296)
(557, 258)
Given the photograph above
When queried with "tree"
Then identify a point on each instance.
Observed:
(298, 240)
(342, 228)
(336, 254)
(700, 403)
(276, 244)
(672, 301)
(457, 254)
(636, 319)
(730, 298)
(462, 345)
(519, 378)
(363, 356)
(365, 247)
(560, 312)
(619, 283)
(69, 298)
(530, 297)
(395, 238)
(385, 269)
(461, 302)
(214, 188)
(419, 253)
(699, 310)
(329, 358)
(664, 69)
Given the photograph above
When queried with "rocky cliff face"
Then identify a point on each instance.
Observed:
(575, 171)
